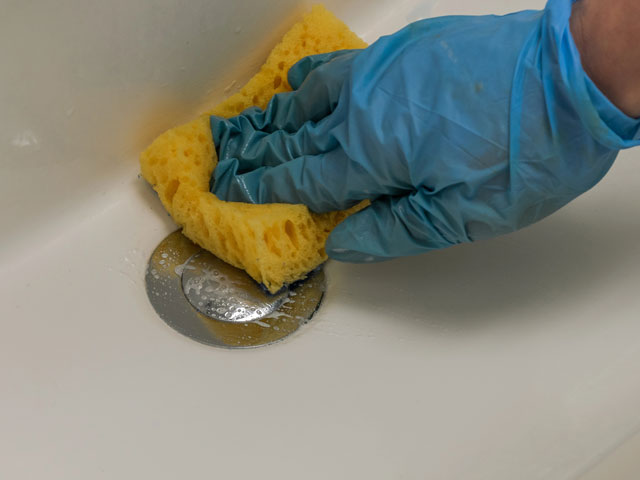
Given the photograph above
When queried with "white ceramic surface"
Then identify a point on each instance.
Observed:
(621, 464)
(517, 358)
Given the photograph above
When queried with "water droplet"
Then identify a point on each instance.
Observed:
(25, 139)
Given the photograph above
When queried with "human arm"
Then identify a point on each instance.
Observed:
(607, 34)
(457, 128)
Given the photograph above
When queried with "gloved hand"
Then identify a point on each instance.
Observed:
(457, 128)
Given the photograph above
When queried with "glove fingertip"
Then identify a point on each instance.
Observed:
(299, 71)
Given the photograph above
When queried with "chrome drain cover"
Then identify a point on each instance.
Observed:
(212, 302)
(225, 293)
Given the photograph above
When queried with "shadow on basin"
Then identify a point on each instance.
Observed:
(557, 263)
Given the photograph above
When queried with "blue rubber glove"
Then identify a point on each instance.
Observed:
(457, 128)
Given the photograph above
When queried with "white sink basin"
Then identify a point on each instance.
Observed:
(517, 358)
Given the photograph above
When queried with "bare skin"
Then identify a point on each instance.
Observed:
(607, 33)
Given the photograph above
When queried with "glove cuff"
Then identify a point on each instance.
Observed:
(607, 123)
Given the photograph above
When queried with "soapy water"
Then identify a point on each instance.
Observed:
(237, 298)
(179, 270)
(186, 284)
(132, 267)
(230, 296)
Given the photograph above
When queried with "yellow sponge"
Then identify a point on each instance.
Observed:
(275, 244)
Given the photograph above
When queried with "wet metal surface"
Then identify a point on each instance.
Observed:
(212, 302)
(223, 292)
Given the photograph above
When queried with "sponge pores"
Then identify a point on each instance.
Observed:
(275, 244)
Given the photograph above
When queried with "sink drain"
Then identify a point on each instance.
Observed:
(209, 301)
(225, 293)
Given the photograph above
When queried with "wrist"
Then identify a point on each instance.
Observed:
(606, 35)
